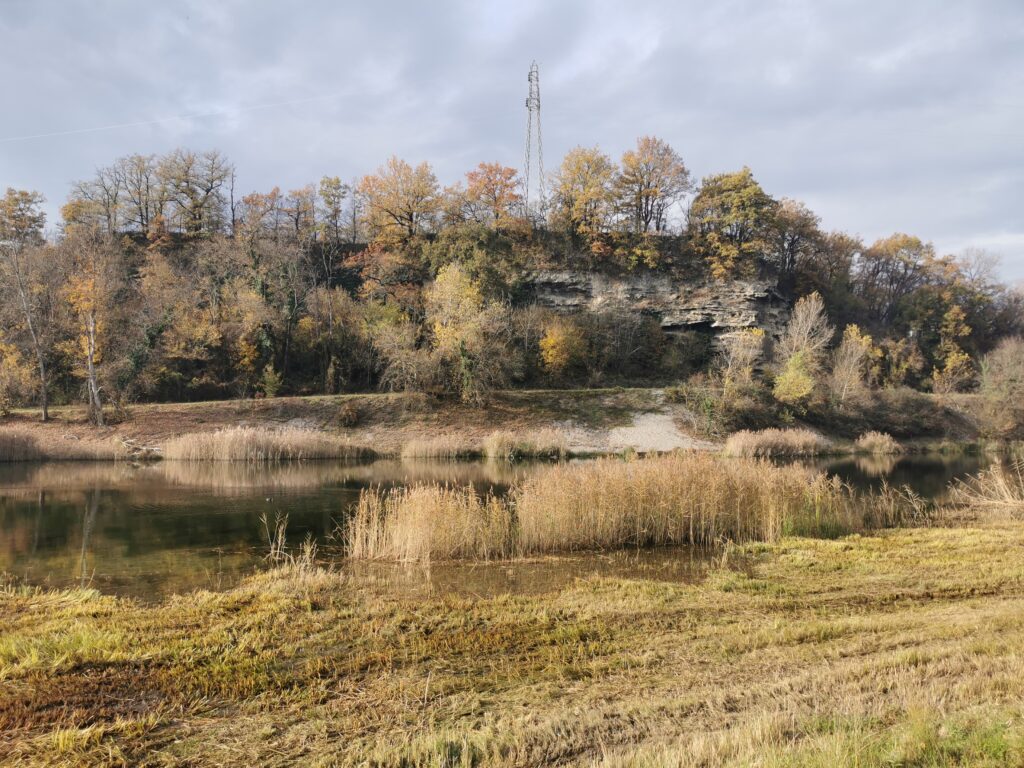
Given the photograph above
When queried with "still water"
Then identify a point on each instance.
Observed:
(153, 530)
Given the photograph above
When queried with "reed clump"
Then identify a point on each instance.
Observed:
(430, 522)
(877, 444)
(675, 499)
(259, 444)
(440, 447)
(767, 443)
(543, 444)
(19, 444)
(997, 489)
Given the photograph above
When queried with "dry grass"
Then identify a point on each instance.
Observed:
(998, 489)
(21, 444)
(542, 444)
(767, 443)
(878, 444)
(682, 498)
(258, 444)
(440, 447)
(429, 522)
(903, 648)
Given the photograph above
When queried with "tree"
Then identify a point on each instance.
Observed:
(493, 193)
(332, 208)
(1002, 389)
(740, 353)
(888, 272)
(562, 347)
(25, 274)
(731, 221)
(401, 201)
(653, 178)
(468, 334)
(194, 183)
(850, 365)
(796, 237)
(954, 368)
(801, 351)
(94, 276)
(583, 191)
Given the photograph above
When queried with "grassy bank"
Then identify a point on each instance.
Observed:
(901, 648)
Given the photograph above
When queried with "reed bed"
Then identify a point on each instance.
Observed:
(877, 444)
(441, 447)
(18, 444)
(767, 443)
(430, 522)
(543, 444)
(675, 499)
(997, 489)
(259, 444)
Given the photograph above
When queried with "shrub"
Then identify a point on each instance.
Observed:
(879, 443)
(776, 442)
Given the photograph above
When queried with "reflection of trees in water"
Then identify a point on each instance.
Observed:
(88, 523)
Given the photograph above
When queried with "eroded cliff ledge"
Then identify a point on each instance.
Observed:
(719, 307)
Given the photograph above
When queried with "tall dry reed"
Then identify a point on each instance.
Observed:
(430, 522)
(685, 498)
(440, 447)
(767, 443)
(257, 444)
(998, 489)
(542, 444)
(19, 444)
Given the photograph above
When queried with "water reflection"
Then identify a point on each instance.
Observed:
(171, 527)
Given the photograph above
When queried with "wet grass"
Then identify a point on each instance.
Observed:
(901, 648)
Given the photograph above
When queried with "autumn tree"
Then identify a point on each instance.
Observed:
(652, 179)
(888, 272)
(27, 281)
(731, 221)
(800, 353)
(468, 334)
(94, 274)
(563, 346)
(851, 362)
(195, 185)
(493, 193)
(401, 201)
(583, 192)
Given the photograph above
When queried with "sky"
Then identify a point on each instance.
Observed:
(881, 116)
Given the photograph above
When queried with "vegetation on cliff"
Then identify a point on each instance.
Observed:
(161, 283)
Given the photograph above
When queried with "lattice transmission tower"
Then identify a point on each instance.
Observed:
(535, 201)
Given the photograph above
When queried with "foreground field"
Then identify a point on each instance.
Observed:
(901, 648)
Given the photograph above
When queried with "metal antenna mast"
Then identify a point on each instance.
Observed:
(533, 116)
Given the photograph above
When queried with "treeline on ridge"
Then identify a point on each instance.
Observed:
(162, 283)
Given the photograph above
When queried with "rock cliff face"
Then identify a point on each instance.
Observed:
(702, 304)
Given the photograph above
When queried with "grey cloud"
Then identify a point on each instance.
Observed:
(882, 116)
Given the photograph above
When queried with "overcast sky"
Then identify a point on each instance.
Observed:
(882, 116)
